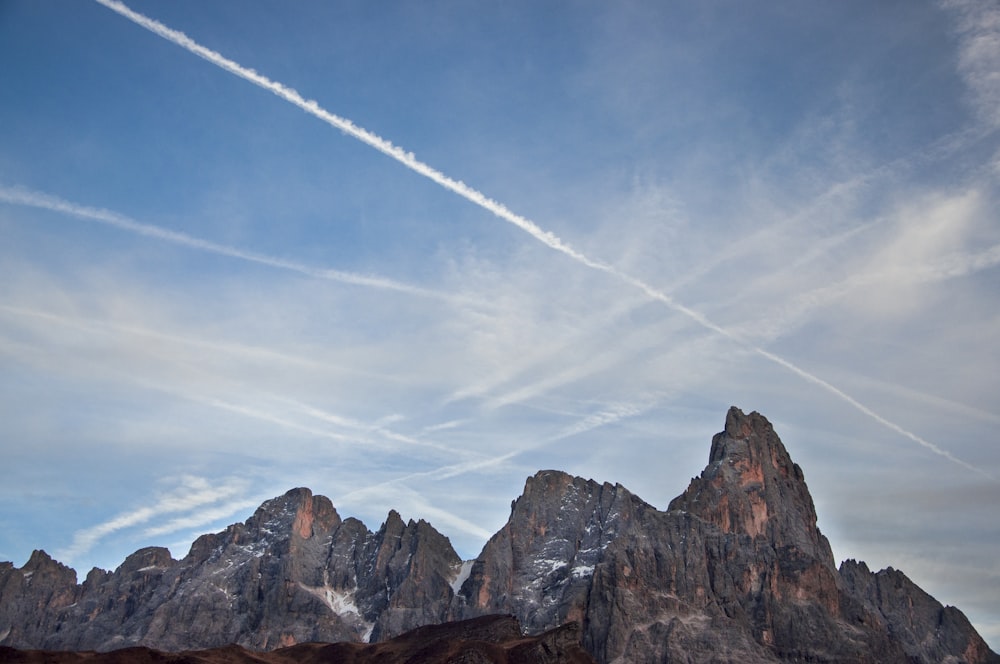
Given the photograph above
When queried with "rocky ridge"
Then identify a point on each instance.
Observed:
(486, 640)
(734, 570)
(294, 572)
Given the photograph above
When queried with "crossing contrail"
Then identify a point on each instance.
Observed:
(36, 199)
(503, 212)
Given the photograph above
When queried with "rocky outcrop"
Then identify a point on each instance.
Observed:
(735, 569)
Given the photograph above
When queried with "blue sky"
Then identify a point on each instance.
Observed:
(209, 295)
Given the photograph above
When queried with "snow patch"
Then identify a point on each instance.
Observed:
(463, 574)
(340, 602)
(555, 565)
(581, 571)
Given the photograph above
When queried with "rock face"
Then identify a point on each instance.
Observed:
(734, 570)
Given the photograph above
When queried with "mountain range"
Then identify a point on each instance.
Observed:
(735, 569)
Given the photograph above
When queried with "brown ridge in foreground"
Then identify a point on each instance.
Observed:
(494, 639)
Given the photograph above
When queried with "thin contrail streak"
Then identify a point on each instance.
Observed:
(27, 197)
(498, 209)
(258, 353)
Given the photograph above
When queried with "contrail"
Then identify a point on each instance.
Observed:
(498, 209)
(193, 492)
(257, 353)
(36, 199)
(382, 145)
(792, 312)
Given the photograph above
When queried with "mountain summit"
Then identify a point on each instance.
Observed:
(735, 569)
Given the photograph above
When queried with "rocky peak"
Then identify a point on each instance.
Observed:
(751, 439)
(926, 630)
(751, 486)
(406, 580)
(37, 592)
(540, 565)
(393, 525)
(297, 512)
(153, 557)
(551, 498)
(41, 565)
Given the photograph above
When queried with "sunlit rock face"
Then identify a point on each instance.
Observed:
(735, 569)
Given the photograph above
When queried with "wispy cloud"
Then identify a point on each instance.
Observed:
(511, 379)
(444, 426)
(919, 244)
(792, 313)
(978, 29)
(204, 517)
(611, 414)
(192, 493)
(238, 350)
(216, 374)
(36, 199)
(377, 429)
(534, 230)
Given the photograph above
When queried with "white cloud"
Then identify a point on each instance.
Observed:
(22, 196)
(191, 493)
(204, 517)
(978, 28)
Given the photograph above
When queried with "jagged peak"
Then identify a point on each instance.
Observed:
(42, 564)
(290, 500)
(749, 455)
(393, 522)
(95, 576)
(152, 557)
(752, 486)
(850, 565)
(546, 482)
(750, 439)
(40, 560)
(298, 511)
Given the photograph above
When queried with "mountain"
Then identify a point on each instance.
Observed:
(734, 570)
(294, 572)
